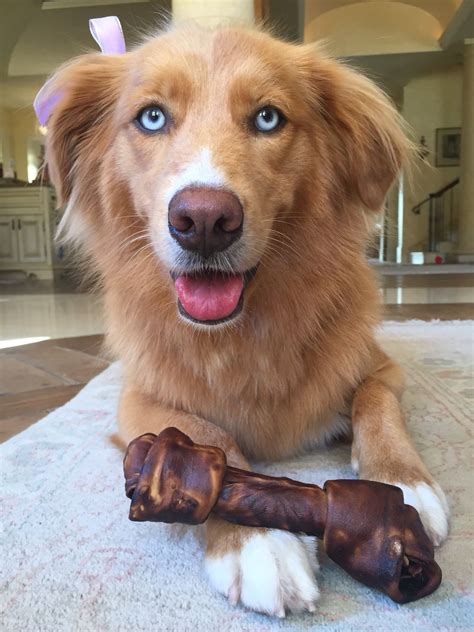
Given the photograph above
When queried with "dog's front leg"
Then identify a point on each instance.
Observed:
(267, 570)
(383, 451)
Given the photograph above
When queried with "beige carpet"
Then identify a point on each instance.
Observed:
(72, 560)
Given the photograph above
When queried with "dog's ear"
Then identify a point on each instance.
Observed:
(369, 146)
(85, 91)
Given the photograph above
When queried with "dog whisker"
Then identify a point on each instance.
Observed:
(135, 237)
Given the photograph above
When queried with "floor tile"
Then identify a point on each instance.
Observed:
(67, 364)
(38, 401)
(37, 378)
(446, 311)
(427, 295)
(50, 315)
(17, 376)
(424, 280)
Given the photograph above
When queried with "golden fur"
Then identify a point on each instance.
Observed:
(270, 383)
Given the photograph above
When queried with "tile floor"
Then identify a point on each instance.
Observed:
(29, 317)
(37, 378)
(38, 313)
(427, 295)
(66, 327)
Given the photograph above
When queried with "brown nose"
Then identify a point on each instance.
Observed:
(205, 220)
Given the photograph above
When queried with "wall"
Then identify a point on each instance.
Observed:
(17, 126)
(25, 126)
(430, 101)
(6, 137)
(287, 19)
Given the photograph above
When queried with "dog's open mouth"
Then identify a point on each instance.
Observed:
(211, 297)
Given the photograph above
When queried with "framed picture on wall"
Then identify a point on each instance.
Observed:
(448, 146)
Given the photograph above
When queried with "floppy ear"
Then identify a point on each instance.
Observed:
(85, 91)
(369, 144)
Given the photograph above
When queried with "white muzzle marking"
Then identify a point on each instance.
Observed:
(199, 172)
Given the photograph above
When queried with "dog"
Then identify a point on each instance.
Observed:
(224, 184)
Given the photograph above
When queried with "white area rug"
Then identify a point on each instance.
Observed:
(73, 562)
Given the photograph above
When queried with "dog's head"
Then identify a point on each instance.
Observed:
(216, 151)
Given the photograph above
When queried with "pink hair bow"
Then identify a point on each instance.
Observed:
(108, 33)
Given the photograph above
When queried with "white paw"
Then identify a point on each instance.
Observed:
(271, 573)
(431, 504)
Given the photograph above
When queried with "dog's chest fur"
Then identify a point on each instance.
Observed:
(273, 394)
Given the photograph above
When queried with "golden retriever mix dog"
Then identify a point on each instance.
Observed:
(222, 182)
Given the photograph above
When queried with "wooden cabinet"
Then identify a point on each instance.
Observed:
(27, 222)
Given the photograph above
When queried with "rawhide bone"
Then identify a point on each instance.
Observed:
(365, 526)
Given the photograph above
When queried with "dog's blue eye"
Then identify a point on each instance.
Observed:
(267, 119)
(151, 119)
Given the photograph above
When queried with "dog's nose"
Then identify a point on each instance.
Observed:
(205, 220)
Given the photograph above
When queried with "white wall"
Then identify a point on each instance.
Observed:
(6, 136)
(18, 126)
(430, 101)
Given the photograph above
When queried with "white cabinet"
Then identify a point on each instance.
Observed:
(27, 222)
(31, 241)
(8, 239)
(22, 239)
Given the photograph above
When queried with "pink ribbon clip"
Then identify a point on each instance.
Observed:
(108, 34)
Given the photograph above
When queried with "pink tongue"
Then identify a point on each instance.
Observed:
(210, 296)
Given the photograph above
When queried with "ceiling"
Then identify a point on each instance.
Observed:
(393, 72)
(392, 40)
(441, 10)
(67, 33)
(36, 36)
(364, 27)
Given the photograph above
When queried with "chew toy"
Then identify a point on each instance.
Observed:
(365, 526)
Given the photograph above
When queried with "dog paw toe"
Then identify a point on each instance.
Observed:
(431, 504)
(273, 572)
